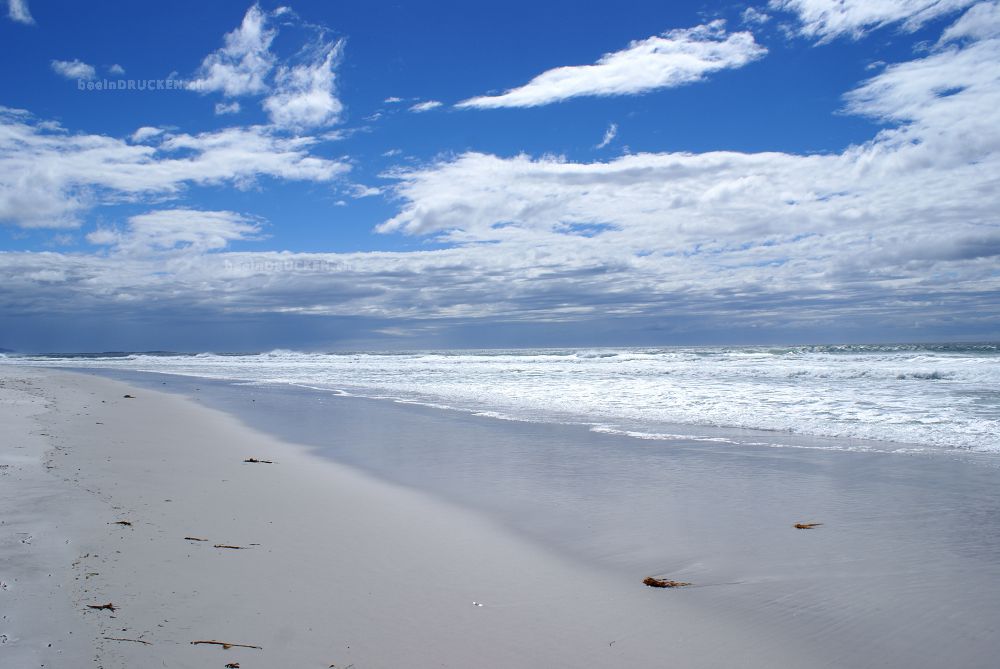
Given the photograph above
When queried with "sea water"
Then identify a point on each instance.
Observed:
(891, 397)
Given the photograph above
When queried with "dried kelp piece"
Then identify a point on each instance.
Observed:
(233, 665)
(235, 548)
(806, 526)
(262, 462)
(102, 607)
(663, 583)
(126, 523)
(128, 397)
(226, 645)
(195, 539)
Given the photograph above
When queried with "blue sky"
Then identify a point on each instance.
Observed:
(406, 175)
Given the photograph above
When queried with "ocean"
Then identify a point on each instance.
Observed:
(904, 397)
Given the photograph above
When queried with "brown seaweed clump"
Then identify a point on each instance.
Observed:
(663, 583)
(806, 526)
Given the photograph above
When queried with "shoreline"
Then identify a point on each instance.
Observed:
(346, 559)
(675, 433)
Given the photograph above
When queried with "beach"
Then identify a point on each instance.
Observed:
(345, 544)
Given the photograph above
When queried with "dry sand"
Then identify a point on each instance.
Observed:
(335, 569)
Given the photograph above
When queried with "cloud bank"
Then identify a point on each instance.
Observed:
(49, 176)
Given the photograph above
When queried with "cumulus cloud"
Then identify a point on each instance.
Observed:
(829, 19)
(116, 69)
(242, 64)
(754, 17)
(675, 58)
(304, 94)
(48, 176)
(17, 10)
(298, 94)
(360, 190)
(73, 69)
(425, 106)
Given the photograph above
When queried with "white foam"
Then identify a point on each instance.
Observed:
(909, 395)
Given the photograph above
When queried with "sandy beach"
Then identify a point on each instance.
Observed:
(334, 568)
(125, 495)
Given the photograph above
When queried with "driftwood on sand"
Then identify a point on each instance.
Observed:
(225, 644)
(102, 607)
(115, 638)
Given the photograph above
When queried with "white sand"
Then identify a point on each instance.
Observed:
(339, 568)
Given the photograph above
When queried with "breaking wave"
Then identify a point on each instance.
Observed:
(925, 395)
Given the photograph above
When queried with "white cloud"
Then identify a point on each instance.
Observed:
(170, 230)
(241, 66)
(425, 106)
(829, 19)
(17, 10)
(609, 135)
(392, 100)
(752, 16)
(48, 176)
(222, 108)
(948, 102)
(672, 59)
(304, 95)
(116, 69)
(146, 132)
(360, 190)
(73, 69)
(980, 22)
(299, 95)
